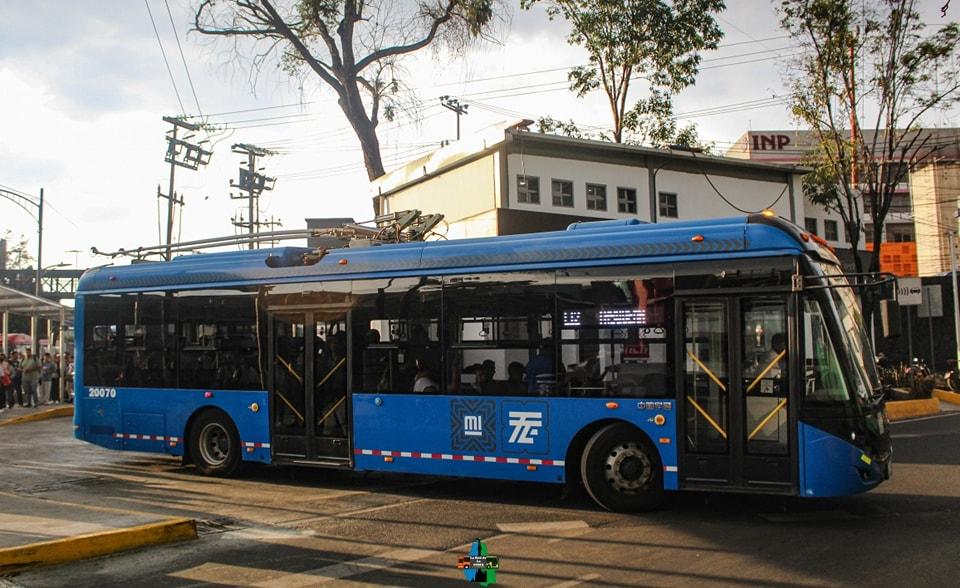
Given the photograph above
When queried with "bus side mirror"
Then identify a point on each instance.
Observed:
(890, 318)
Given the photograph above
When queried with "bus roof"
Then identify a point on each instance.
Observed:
(581, 245)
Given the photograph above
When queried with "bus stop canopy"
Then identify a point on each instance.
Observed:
(17, 302)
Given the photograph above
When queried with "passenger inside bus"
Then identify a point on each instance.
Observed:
(424, 383)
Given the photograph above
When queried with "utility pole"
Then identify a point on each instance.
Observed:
(270, 225)
(452, 104)
(253, 183)
(182, 153)
(37, 288)
(854, 175)
(952, 235)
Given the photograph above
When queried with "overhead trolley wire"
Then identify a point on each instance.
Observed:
(183, 59)
(164, 53)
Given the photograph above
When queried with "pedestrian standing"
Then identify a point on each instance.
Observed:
(68, 380)
(6, 384)
(30, 368)
(55, 382)
(15, 360)
(48, 370)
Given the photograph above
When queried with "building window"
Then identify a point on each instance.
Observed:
(528, 189)
(562, 193)
(627, 200)
(668, 204)
(596, 197)
(811, 225)
(830, 231)
(900, 234)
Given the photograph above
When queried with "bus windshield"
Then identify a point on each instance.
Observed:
(853, 333)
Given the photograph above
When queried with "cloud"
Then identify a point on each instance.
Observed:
(93, 58)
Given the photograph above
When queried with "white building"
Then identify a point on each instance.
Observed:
(508, 180)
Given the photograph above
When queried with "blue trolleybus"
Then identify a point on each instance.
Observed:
(721, 355)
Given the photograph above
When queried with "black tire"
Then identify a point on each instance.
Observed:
(215, 445)
(621, 469)
(953, 381)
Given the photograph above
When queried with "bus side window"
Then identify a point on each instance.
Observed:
(101, 340)
(499, 334)
(615, 333)
(396, 335)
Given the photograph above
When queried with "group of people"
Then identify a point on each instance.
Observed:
(537, 378)
(31, 381)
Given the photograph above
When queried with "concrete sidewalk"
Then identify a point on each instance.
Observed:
(38, 531)
(22, 414)
(41, 532)
(25, 519)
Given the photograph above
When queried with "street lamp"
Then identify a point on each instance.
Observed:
(22, 200)
(76, 257)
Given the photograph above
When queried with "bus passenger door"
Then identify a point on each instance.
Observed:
(329, 383)
(734, 364)
(705, 387)
(288, 379)
(765, 389)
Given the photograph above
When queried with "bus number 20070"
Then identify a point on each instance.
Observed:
(102, 393)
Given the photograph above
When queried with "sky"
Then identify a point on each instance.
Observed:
(84, 87)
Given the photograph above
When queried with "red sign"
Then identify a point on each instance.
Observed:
(639, 350)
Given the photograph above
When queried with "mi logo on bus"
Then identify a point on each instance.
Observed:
(525, 427)
(473, 425)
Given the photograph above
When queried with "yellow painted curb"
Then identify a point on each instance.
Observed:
(908, 409)
(97, 544)
(947, 396)
(52, 413)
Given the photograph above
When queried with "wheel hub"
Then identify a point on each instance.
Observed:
(627, 468)
(214, 444)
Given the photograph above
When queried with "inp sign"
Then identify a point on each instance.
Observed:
(909, 291)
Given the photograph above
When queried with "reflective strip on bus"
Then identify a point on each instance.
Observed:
(457, 457)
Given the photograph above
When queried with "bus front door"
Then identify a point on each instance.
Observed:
(309, 386)
(733, 361)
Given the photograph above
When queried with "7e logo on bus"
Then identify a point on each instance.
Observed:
(102, 393)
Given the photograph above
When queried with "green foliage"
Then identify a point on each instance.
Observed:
(878, 65)
(660, 133)
(656, 41)
(18, 253)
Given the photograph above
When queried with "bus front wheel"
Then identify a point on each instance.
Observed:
(621, 469)
(215, 444)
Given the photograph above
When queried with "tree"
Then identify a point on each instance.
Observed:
(353, 46)
(656, 131)
(654, 40)
(18, 253)
(867, 123)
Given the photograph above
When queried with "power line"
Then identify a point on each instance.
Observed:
(164, 53)
(182, 58)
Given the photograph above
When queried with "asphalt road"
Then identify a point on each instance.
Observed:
(280, 527)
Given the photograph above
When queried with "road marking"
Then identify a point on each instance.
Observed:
(577, 581)
(546, 527)
(260, 578)
(351, 513)
(47, 527)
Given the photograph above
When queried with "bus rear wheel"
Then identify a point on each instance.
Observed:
(621, 470)
(215, 445)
